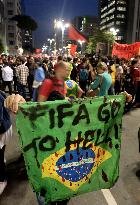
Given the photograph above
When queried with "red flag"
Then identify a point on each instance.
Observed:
(73, 49)
(38, 50)
(75, 35)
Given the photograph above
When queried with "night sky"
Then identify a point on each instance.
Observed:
(45, 11)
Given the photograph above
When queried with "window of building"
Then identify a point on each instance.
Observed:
(120, 8)
(104, 15)
(103, 27)
(10, 12)
(110, 24)
(103, 9)
(111, 4)
(10, 4)
(10, 28)
(121, 16)
(119, 38)
(112, 16)
(111, 10)
(107, 18)
(121, 2)
(11, 35)
(11, 43)
(103, 21)
(119, 22)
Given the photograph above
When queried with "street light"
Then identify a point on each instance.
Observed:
(81, 43)
(44, 48)
(51, 41)
(114, 31)
(60, 24)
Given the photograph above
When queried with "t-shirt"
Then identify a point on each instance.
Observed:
(119, 72)
(105, 85)
(39, 74)
(72, 89)
(113, 73)
(136, 74)
(7, 73)
(50, 85)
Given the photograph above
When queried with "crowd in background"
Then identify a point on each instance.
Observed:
(58, 78)
(25, 75)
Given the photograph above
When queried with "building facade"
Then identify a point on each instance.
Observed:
(113, 14)
(13, 33)
(85, 24)
(133, 26)
(2, 25)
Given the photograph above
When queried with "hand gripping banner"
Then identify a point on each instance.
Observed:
(71, 149)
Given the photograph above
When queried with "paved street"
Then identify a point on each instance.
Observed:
(125, 192)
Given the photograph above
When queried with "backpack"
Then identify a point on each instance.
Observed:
(83, 75)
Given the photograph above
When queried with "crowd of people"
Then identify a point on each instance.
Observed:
(101, 75)
(49, 79)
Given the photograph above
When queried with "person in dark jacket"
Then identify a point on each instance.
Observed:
(6, 131)
(5, 134)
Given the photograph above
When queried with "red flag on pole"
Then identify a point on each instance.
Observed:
(73, 49)
(75, 35)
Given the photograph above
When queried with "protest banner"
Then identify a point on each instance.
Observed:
(125, 50)
(71, 148)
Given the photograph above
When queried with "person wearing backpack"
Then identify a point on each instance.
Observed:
(83, 78)
(41, 74)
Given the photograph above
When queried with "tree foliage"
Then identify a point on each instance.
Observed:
(25, 22)
(1, 46)
(99, 37)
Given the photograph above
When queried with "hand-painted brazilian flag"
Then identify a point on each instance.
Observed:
(71, 149)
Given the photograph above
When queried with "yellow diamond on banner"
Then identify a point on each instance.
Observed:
(74, 168)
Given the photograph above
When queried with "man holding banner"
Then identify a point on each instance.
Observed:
(58, 179)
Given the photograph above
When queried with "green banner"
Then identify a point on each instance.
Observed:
(71, 149)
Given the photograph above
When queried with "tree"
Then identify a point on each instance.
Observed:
(1, 46)
(99, 37)
(25, 22)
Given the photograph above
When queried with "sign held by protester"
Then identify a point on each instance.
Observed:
(125, 50)
(70, 149)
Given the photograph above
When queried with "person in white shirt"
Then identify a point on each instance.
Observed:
(7, 76)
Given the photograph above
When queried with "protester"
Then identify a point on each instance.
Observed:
(118, 81)
(83, 75)
(112, 72)
(74, 72)
(102, 82)
(7, 77)
(38, 79)
(51, 87)
(73, 89)
(22, 73)
(31, 66)
(6, 131)
(135, 72)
